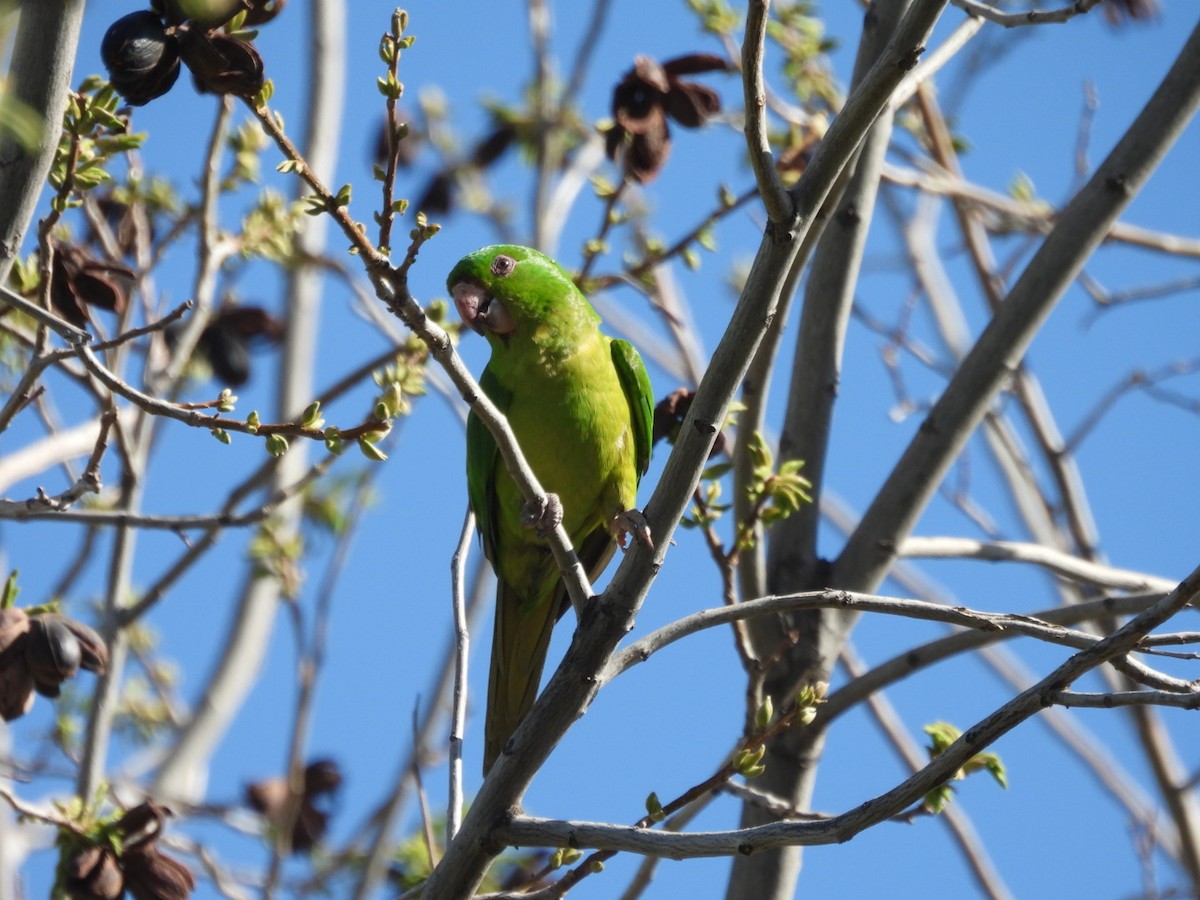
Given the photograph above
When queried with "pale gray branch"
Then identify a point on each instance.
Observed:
(1126, 698)
(1056, 561)
(1029, 17)
(776, 200)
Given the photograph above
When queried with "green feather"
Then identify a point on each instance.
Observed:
(581, 407)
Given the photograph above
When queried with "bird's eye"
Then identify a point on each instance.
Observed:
(503, 265)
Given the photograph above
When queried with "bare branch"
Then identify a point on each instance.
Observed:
(779, 204)
(1029, 17)
(1056, 561)
(458, 710)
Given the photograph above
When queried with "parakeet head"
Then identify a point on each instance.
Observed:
(507, 292)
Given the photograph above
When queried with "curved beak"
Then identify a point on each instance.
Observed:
(468, 300)
(479, 310)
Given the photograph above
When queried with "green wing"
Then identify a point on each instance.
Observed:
(482, 456)
(635, 381)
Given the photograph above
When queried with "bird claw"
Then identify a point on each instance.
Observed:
(632, 521)
(543, 517)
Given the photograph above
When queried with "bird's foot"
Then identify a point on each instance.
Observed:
(544, 517)
(632, 521)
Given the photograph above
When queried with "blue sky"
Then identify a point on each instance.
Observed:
(667, 724)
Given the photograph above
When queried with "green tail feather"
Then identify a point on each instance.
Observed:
(519, 644)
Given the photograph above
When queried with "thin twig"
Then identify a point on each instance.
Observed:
(458, 708)
(1029, 17)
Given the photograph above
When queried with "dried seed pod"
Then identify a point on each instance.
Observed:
(16, 687)
(141, 56)
(492, 147)
(267, 797)
(14, 624)
(645, 97)
(323, 776)
(227, 354)
(94, 653)
(78, 282)
(151, 875)
(221, 64)
(52, 651)
(92, 873)
(270, 798)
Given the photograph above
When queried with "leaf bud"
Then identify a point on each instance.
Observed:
(654, 808)
(765, 713)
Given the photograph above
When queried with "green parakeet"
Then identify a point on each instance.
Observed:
(580, 405)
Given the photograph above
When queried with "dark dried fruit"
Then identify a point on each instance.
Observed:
(92, 873)
(40, 653)
(141, 56)
(1118, 11)
(94, 652)
(437, 196)
(16, 688)
(78, 282)
(52, 653)
(227, 354)
(16, 681)
(250, 322)
(226, 342)
(221, 64)
(322, 778)
(644, 98)
(149, 874)
(14, 624)
(492, 147)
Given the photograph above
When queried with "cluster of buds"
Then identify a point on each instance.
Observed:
(272, 798)
(142, 51)
(127, 859)
(38, 653)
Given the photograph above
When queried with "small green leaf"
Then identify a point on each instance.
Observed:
(265, 94)
(9, 597)
(370, 451)
(654, 808)
(311, 417)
